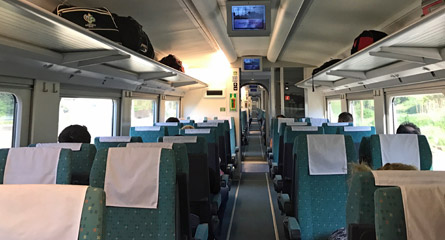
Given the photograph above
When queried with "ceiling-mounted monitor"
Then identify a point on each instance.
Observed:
(248, 18)
(252, 64)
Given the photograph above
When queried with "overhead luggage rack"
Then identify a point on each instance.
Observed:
(53, 48)
(413, 54)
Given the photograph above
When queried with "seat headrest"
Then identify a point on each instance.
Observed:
(148, 128)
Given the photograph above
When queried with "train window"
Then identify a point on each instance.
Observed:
(142, 112)
(427, 111)
(363, 112)
(7, 109)
(334, 109)
(95, 114)
(171, 109)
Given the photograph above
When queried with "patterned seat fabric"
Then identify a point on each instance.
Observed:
(426, 157)
(92, 219)
(171, 130)
(360, 203)
(136, 223)
(389, 214)
(63, 167)
(211, 149)
(149, 136)
(320, 199)
(357, 136)
(106, 145)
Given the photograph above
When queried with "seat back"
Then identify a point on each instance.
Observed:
(137, 223)
(81, 161)
(334, 128)
(69, 204)
(357, 134)
(149, 134)
(425, 155)
(220, 162)
(63, 166)
(172, 127)
(390, 216)
(278, 131)
(187, 122)
(316, 121)
(182, 181)
(232, 137)
(287, 160)
(224, 140)
(114, 141)
(320, 199)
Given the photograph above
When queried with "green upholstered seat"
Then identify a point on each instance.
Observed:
(63, 167)
(172, 128)
(148, 134)
(320, 200)
(425, 155)
(92, 219)
(389, 214)
(81, 163)
(357, 134)
(212, 146)
(100, 145)
(334, 128)
(137, 223)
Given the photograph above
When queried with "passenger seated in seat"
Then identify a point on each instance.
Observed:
(345, 117)
(342, 233)
(187, 127)
(172, 119)
(75, 133)
(408, 128)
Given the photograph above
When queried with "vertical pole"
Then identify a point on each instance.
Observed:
(282, 89)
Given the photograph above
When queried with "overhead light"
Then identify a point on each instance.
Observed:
(286, 87)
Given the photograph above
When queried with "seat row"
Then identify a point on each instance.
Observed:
(317, 189)
(189, 191)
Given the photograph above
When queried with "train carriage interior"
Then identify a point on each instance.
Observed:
(222, 119)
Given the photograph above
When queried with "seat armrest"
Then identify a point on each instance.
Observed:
(202, 232)
(225, 181)
(236, 149)
(215, 203)
(292, 228)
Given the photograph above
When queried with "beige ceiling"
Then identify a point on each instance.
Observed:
(327, 29)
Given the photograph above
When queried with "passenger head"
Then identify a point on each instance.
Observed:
(345, 117)
(408, 128)
(172, 119)
(397, 166)
(281, 116)
(187, 127)
(75, 133)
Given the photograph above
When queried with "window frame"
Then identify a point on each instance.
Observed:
(331, 98)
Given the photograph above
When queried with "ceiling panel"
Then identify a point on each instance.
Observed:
(331, 26)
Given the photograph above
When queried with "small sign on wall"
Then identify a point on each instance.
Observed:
(232, 102)
(222, 109)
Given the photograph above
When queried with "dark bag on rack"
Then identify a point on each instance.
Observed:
(133, 37)
(172, 62)
(365, 39)
(98, 20)
(325, 65)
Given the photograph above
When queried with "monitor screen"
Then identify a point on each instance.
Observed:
(251, 64)
(249, 17)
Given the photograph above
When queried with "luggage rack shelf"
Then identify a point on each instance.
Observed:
(413, 54)
(55, 49)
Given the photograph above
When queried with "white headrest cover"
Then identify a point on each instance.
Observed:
(151, 144)
(400, 148)
(197, 131)
(357, 129)
(304, 129)
(148, 128)
(337, 124)
(284, 120)
(115, 139)
(72, 146)
(132, 177)
(318, 121)
(327, 154)
(181, 139)
(184, 121)
(207, 124)
(169, 124)
(31, 165)
(41, 211)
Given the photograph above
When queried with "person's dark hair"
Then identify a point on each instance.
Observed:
(75, 133)
(172, 119)
(408, 128)
(345, 117)
(281, 116)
